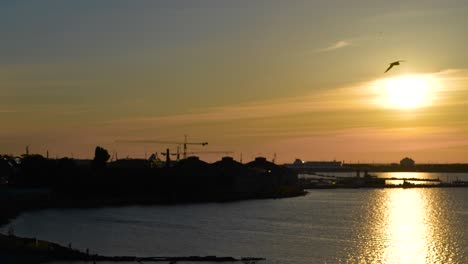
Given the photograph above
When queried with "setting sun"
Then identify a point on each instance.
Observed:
(406, 92)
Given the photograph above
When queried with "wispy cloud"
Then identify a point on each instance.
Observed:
(338, 45)
(7, 111)
(319, 102)
(355, 98)
(453, 74)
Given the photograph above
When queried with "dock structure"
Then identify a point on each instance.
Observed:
(411, 179)
(321, 181)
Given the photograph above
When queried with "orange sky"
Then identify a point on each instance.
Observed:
(302, 80)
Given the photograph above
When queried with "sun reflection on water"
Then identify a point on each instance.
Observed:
(419, 227)
(407, 232)
(409, 226)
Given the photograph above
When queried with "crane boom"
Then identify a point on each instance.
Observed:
(159, 142)
(210, 152)
(185, 143)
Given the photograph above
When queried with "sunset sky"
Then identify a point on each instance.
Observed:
(302, 79)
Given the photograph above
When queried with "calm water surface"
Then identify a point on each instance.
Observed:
(325, 226)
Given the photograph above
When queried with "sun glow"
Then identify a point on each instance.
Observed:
(406, 92)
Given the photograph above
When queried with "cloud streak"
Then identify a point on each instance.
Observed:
(335, 109)
(320, 102)
(338, 45)
(7, 111)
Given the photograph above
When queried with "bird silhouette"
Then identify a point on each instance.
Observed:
(395, 63)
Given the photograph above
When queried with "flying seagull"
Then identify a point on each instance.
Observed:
(395, 63)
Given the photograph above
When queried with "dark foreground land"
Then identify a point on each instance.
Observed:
(31, 250)
(37, 182)
(41, 183)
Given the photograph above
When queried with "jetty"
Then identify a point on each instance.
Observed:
(320, 181)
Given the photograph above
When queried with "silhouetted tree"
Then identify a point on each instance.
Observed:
(101, 156)
(407, 162)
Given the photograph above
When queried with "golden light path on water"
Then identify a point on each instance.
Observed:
(416, 228)
(406, 228)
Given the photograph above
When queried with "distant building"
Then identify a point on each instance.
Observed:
(271, 177)
(407, 162)
(299, 164)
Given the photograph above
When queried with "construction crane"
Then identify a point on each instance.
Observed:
(168, 153)
(197, 152)
(185, 143)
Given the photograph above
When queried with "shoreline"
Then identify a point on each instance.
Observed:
(12, 209)
(31, 250)
(15, 249)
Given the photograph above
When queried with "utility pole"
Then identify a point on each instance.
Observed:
(185, 146)
(168, 159)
